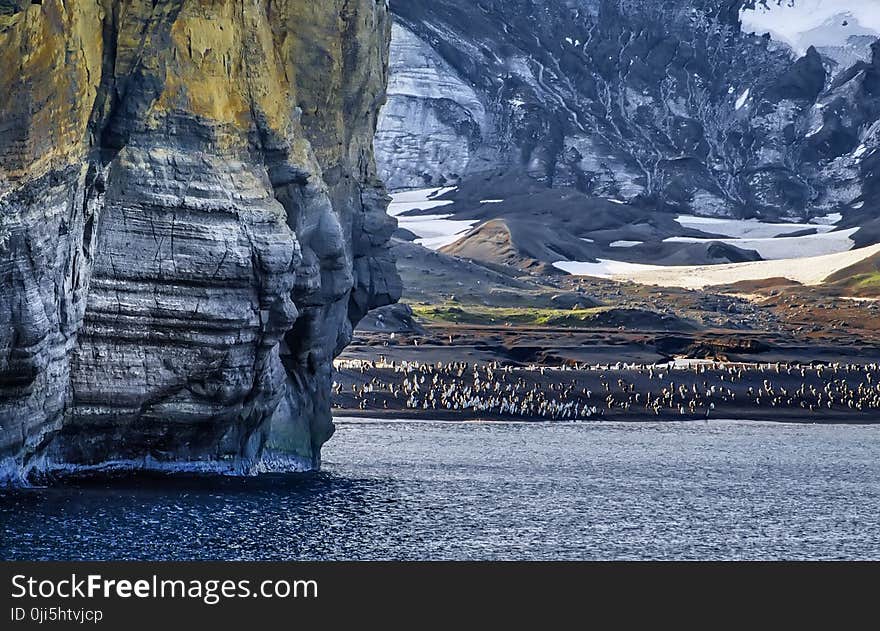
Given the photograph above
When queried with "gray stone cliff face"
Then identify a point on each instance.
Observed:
(664, 103)
(191, 226)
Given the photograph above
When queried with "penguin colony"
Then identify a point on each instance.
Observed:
(684, 391)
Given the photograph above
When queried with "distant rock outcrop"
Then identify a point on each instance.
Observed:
(191, 226)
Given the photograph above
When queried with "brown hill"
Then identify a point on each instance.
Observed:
(859, 280)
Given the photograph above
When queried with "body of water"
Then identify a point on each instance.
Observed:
(424, 490)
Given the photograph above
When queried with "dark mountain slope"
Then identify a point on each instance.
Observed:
(662, 102)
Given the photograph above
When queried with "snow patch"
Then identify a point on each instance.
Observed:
(604, 268)
(747, 228)
(625, 244)
(831, 219)
(422, 199)
(434, 231)
(741, 101)
(43, 467)
(808, 271)
(806, 23)
(779, 248)
(437, 231)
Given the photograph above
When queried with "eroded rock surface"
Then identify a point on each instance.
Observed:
(665, 103)
(191, 225)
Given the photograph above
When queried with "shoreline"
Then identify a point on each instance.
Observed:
(741, 415)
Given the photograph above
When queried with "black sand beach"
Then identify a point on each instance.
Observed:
(686, 390)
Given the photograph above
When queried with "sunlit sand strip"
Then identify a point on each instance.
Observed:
(808, 271)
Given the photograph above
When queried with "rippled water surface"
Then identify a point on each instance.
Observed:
(411, 490)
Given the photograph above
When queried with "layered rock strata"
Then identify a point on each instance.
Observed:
(191, 226)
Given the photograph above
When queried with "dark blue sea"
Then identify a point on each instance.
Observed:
(425, 490)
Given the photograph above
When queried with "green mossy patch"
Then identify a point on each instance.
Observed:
(488, 316)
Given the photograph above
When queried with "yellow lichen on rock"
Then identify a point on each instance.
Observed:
(51, 60)
(316, 62)
(222, 67)
(202, 79)
(196, 225)
(334, 75)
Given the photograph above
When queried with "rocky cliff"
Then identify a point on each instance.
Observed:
(663, 103)
(191, 225)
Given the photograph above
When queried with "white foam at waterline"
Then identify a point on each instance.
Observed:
(238, 467)
(279, 462)
(491, 201)
(604, 268)
(11, 474)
